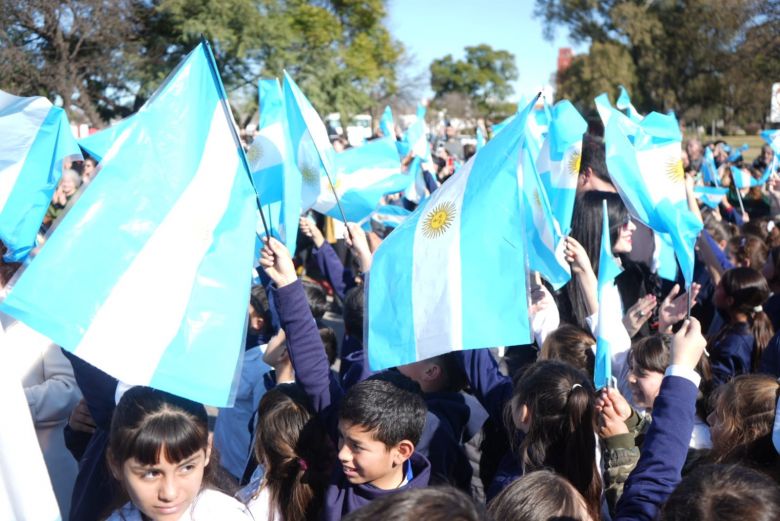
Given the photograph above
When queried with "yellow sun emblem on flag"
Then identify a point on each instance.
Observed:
(675, 171)
(574, 163)
(438, 220)
(254, 154)
(537, 199)
(310, 174)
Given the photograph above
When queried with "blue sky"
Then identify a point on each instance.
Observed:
(431, 29)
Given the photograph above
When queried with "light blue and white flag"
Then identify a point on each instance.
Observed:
(607, 327)
(100, 142)
(416, 140)
(498, 127)
(607, 113)
(36, 140)
(545, 241)
(386, 123)
(559, 161)
(275, 176)
(624, 103)
(148, 276)
(480, 139)
(363, 175)
(664, 262)
(743, 178)
(312, 151)
(736, 153)
(536, 127)
(709, 171)
(772, 138)
(390, 215)
(712, 196)
(432, 278)
(649, 176)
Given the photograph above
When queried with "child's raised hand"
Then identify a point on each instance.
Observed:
(277, 263)
(613, 397)
(639, 313)
(576, 255)
(674, 307)
(610, 422)
(310, 230)
(688, 344)
(358, 243)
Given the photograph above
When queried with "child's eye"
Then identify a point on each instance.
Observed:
(150, 474)
(188, 467)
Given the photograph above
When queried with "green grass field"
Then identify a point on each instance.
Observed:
(755, 143)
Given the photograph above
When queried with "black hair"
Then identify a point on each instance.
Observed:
(353, 313)
(586, 229)
(316, 298)
(429, 504)
(594, 156)
(391, 414)
(258, 299)
(723, 493)
(329, 342)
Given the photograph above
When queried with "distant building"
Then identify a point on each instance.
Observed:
(565, 56)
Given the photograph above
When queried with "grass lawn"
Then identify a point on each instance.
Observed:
(755, 143)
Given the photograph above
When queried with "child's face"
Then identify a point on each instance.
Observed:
(367, 460)
(645, 386)
(166, 490)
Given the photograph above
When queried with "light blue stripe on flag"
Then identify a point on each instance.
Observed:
(605, 329)
(100, 142)
(36, 140)
(148, 276)
(710, 195)
(431, 279)
(386, 124)
(708, 169)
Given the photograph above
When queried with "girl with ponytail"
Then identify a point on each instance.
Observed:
(736, 349)
(294, 450)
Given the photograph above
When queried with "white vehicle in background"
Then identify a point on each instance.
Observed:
(358, 130)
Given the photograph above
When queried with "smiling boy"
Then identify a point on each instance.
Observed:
(376, 423)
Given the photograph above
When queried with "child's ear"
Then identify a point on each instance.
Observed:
(404, 451)
(433, 371)
(208, 448)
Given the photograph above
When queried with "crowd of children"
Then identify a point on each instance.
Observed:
(516, 433)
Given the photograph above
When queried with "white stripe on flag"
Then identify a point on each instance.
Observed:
(19, 131)
(169, 260)
(437, 300)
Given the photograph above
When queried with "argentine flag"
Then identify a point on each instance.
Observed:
(363, 175)
(416, 141)
(624, 103)
(311, 150)
(710, 195)
(36, 140)
(456, 263)
(386, 124)
(772, 138)
(545, 241)
(608, 113)
(607, 331)
(100, 142)
(649, 176)
(275, 176)
(709, 171)
(559, 160)
(148, 276)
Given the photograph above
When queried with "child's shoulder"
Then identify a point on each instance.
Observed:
(213, 504)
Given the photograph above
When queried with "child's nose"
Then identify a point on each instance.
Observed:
(345, 455)
(168, 490)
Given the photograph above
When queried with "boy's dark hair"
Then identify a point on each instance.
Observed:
(259, 302)
(429, 504)
(329, 342)
(725, 493)
(455, 380)
(468, 151)
(316, 298)
(391, 414)
(353, 313)
(594, 156)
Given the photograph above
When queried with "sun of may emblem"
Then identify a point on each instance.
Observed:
(310, 174)
(674, 169)
(439, 219)
(574, 163)
(255, 153)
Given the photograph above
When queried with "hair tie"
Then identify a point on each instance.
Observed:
(302, 463)
(758, 309)
(574, 387)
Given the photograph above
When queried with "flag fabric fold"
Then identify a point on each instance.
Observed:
(606, 329)
(275, 176)
(458, 260)
(100, 142)
(36, 142)
(709, 171)
(148, 276)
(558, 163)
(624, 103)
(710, 195)
(647, 172)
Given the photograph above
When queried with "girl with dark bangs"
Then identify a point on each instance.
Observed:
(159, 449)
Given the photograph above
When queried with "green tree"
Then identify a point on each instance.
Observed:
(483, 78)
(684, 55)
(104, 59)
